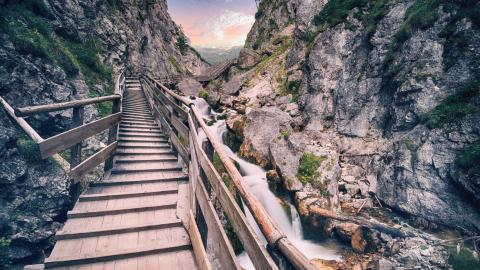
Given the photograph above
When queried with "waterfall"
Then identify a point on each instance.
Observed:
(255, 178)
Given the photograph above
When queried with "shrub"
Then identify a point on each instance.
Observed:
(463, 260)
(203, 94)
(182, 44)
(454, 107)
(468, 159)
(336, 11)
(28, 148)
(307, 168)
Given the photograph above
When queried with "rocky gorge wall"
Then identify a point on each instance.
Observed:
(358, 105)
(54, 51)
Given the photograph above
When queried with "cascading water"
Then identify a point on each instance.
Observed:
(255, 177)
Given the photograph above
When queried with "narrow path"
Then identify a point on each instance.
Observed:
(131, 219)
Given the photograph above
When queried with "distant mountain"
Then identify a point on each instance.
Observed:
(218, 55)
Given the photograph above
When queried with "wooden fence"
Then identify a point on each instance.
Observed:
(181, 121)
(73, 138)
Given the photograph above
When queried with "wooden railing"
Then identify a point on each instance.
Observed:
(181, 120)
(51, 147)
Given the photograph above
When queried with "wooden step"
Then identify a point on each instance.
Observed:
(139, 127)
(141, 135)
(109, 196)
(127, 138)
(146, 167)
(137, 111)
(116, 255)
(143, 144)
(135, 118)
(137, 114)
(142, 151)
(75, 234)
(139, 181)
(140, 130)
(120, 210)
(145, 158)
(138, 122)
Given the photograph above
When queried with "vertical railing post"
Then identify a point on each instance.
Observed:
(112, 134)
(76, 150)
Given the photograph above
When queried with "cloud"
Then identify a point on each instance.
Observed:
(229, 29)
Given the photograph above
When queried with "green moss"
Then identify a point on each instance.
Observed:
(175, 64)
(464, 260)
(468, 159)
(291, 87)
(413, 151)
(307, 168)
(203, 94)
(285, 134)
(28, 148)
(278, 51)
(336, 11)
(454, 107)
(5, 262)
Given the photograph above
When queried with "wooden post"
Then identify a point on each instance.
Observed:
(76, 150)
(112, 134)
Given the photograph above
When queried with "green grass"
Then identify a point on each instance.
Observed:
(278, 51)
(203, 94)
(468, 159)
(28, 148)
(291, 87)
(336, 11)
(175, 64)
(413, 151)
(464, 260)
(454, 107)
(307, 168)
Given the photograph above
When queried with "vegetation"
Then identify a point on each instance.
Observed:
(291, 87)
(182, 44)
(28, 148)
(4, 260)
(307, 168)
(278, 51)
(175, 64)
(413, 151)
(203, 94)
(285, 134)
(464, 260)
(454, 107)
(468, 159)
(336, 11)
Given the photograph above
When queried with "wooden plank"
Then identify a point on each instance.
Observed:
(95, 257)
(76, 234)
(64, 140)
(179, 110)
(252, 244)
(198, 249)
(76, 150)
(180, 127)
(33, 134)
(182, 151)
(109, 196)
(222, 248)
(120, 210)
(64, 105)
(93, 161)
(194, 168)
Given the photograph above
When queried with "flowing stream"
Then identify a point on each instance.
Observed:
(255, 178)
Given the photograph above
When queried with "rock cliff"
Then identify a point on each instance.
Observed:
(378, 103)
(54, 51)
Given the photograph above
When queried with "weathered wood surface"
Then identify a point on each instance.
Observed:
(130, 220)
(76, 150)
(33, 134)
(64, 105)
(251, 242)
(198, 249)
(93, 161)
(64, 140)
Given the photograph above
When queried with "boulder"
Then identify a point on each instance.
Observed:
(248, 58)
(236, 124)
(261, 127)
(189, 87)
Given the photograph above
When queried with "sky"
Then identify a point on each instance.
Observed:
(214, 23)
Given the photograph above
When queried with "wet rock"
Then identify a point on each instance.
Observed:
(345, 231)
(273, 177)
(384, 264)
(364, 240)
(236, 124)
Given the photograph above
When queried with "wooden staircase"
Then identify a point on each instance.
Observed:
(131, 220)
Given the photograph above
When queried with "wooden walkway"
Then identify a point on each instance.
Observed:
(132, 219)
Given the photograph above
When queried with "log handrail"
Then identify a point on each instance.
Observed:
(26, 111)
(78, 132)
(270, 229)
